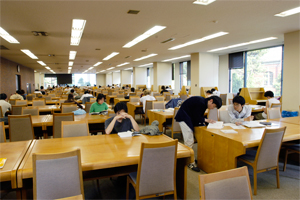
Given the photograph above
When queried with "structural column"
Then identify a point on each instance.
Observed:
(125, 76)
(162, 74)
(139, 76)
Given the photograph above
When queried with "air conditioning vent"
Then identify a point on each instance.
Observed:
(127, 56)
(3, 47)
(39, 33)
(134, 12)
(168, 40)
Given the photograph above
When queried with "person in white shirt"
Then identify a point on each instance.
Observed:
(86, 94)
(5, 106)
(17, 95)
(270, 101)
(146, 97)
(215, 92)
(208, 93)
(239, 112)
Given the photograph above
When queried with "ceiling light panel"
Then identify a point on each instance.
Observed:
(72, 55)
(215, 35)
(102, 71)
(144, 36)
(111, 55)
(243, 44)
(71, 63)
(289, 12)
(110, 68)
(48, 68)
(69, 67)
(203, 2)
(145, 57)
(41, 63)
(28, 53)
(126, 63)
(145, 65)
(186, 56)
(90, 68)
(6, 36)
(77, 30)
(128, 68)
(98, 63)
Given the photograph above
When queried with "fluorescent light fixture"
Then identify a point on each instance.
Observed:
(69, 67)
(126, 63)
(34, 70)
(198, 40)
(90, 68)
(41, 63)
(28, 53)
(48, 68)
(111, 55)
(69, 71)
(72, 55)
(289, 12)
(110, 68)
(117, 71)
(128, 68)
(102, 71)
(5, 35)
(243, 44)
(203, 2)
(71, 63)
(176, 58)
(98, 63)
(144, 57)
(144, 36)
(145, 65)
(77, 30)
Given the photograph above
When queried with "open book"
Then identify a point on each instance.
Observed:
(252, 124)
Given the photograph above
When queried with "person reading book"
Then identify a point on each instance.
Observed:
(99, 105)
(239, 112)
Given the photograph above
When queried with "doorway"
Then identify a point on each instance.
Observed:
(18, 82)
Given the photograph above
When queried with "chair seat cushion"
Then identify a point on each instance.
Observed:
(133, 176)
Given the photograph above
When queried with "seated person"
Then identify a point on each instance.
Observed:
(238, 94)
(86, 94)
(5, 106)
(72, 91)
(270, 101)
(95, 87)
(163, 89)
(215, 92)
(17, 95)
(71, 100)
(127, 87)
(23, 94)
(132, 91)
(239, 112)
(145, 98)
(99, 105)
(208, 93)
(36, 91)
(121, 122)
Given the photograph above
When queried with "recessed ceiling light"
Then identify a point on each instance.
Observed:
(128, 68)
(203, 2)
(126, 63)
(48, 68)
(98, 63)
(77, 30)
(102, 71)
(199, 40)
(144, 57)
(145, 35)
(6, 36)
(69, 67)
(41, 63)
(110, 68)
(145, 65)
(243, 44)
(28, 53)
(111, 55)
(71, 63)
(289, 12)
(117, 71)
(72, 55)
(90, 68)
(34, 70)
(176, 58)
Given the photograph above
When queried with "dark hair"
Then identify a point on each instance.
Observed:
(42, 87)
(99, 86)
(213, 89)
(123, 88)
(209, 92)
(269, 94)
(163, 87)
(216, 100)
(120, 106)
(239, 100)
(70, 97)
(126, 85)
(167, 87)
(3, 96)
(86, 92)
(132, 89)
(19, 92)
(100, 96)
(72, 91)
(22, 92)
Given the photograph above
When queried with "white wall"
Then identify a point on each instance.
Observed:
(126, 77)
(101, 79)
(140, 76)
(108, 79)
(209, 70)
(223, 74)
(39, 80)
(151, 76)
(116, 78)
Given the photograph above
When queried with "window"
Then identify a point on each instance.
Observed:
(148, 78)
(50, 81)
(185, 73)
(84, 79)
(173, 76)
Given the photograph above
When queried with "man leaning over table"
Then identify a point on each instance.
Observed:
(239, 112)
(191, 114)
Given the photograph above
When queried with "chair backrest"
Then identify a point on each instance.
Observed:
(32, 110)
(152, 168)
(183, 97)
(48, 98)
(229, 184)
(224, 98)
(148, 106)
(64, 96)
(105, 92)
(276, 105)
(93, 100)
(21, 102)
(139, 94)
(120, 95)
(74, 128)
(175, 124)
(68, 108)
(213, 114)
(30, 97)
(114, 93)
(160, 98)
(38, 103)
(132, 94)
(158, 104)
(165, 94)
(273, 113)
(156, 94)
(12, 101)
(17, 110)
(134, 99)
(60, 101)
(57, 119)
(168, 97)
(269, 148)
(88, 106)
(51, 95)
(2, 133)
(1, 113)
(65, 172)
(224, 116)
(20, 128)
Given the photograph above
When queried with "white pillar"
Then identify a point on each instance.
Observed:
(162, 74)
(223, 74)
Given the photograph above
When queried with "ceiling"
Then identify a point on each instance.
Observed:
(109, 27)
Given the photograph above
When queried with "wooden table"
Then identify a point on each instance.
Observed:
(104, 156)
(133, 107)
(291, 120)
(110, 98)
(48, 102)
(217, 151)
(161, 116)
(117, 100)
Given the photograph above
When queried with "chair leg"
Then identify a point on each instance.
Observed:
(277, 177)
(255, 181)
(285, 159)
(127, 189)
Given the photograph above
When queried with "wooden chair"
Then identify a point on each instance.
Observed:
(213, 114)
(12, 101)
(114, 93)
(229, 184)
(87, 106)
(156, 94)
(77, 197)
(74, 128)
(134, 99)
(30, 97)
(224, 116)
(60, 101)
(120, 95)
(183, 97)
(295, 148)
(17, 110)
(139, 94)
(68, 108)
(2, 133)
(158, 104)
(148, 106)
(230, 101)
(267, 154)
(20, 128)
(32, 110)
(273, 113)
(276, 105)
(1, 113)
(175, 128)
(65, 172)
(156, 175)
(38, 103)
(21, 102)
(64, 96)
(51, 95)
(168, 97)
(48, 98)
(132, 94)
(93, 100)
(159, 98)
(224, 98)
(57, 119)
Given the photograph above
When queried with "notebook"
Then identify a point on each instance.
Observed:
(217, 125)
(2, 162)
(253, 124)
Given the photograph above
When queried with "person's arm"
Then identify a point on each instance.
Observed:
(133, 122)
(106, 106)
(110, 127)
(248, 116)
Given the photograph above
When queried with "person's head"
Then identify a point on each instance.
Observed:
(132, 89)
(167, 87)
(68, 86)
(70, 97)
(95, 85)
(42, 87)
(19, 92)
(99, 86)
(72, 91)
(120, 108)
(3, 96)
(34, 90)
(123, 88)
(22, 92)
(86, 92)
(214, 102)
(213, 89)
(163, 87)
(100, 99)
(208, 92)
(146, 92)
(127, 86)
(238, 103)
(269, 94)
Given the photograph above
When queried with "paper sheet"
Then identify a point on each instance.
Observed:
(229, 131)
(253, 124)
(125, 134)
(217, 125)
